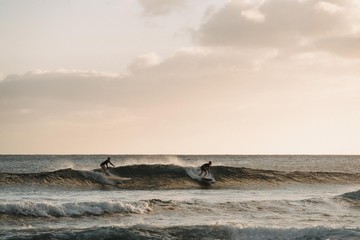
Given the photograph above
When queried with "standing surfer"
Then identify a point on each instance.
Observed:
(104, 166)
(205, 168)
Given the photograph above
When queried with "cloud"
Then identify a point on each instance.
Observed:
(284, 25)
(66, 85)
(329, 7)
(253, 15)
(345, 46)
(144, 61)
(191, 102)
(154, 89)
(161, 7)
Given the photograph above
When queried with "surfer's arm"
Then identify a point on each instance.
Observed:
(112, 164)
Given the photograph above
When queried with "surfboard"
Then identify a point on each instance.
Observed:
(116, 178)
(194, 174)
(206, 179)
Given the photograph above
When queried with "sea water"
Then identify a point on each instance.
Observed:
(253, 197)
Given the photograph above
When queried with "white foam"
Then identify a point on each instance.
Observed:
(72, 209)
(194, 174)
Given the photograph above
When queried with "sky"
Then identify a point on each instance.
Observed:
(179, 77)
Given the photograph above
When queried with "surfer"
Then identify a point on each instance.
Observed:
(205, 168)
(104, 166)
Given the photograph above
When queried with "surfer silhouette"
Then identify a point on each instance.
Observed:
(104, 166)
(205, 168)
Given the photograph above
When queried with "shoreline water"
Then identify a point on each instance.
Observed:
(263, 197)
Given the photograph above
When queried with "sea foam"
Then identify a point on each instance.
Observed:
(72, 209)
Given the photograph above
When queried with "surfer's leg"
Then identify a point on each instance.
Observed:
(202, 171)
(104, 170)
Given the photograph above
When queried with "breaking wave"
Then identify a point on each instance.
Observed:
(30, 209)
(175, 177)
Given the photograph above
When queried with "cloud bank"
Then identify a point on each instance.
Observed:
(288, 25)
(266, 77)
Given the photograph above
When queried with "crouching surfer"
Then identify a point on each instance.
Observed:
(205, 168)
(104, 166)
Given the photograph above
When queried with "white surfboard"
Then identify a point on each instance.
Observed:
(116, 178)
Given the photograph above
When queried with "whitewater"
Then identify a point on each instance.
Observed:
(253, 197)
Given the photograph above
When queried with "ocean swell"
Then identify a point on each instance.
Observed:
(175, 177)
(63, 177)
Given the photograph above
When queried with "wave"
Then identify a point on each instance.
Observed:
(353, 197)
(191, 232)
(30, 209)
(64, 177)
(191, 207)
(175, 177)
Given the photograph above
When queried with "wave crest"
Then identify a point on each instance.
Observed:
(352, 196)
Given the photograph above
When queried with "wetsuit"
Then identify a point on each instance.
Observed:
(104, 165)
(205, 168)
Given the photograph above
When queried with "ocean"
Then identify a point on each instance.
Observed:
(253, 197)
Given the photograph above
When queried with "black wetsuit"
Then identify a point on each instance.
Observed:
(205, 168)
(105, 163)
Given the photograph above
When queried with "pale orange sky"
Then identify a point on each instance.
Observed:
(180, 77)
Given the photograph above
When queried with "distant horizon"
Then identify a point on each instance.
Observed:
(262, 77)
(163, 154)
